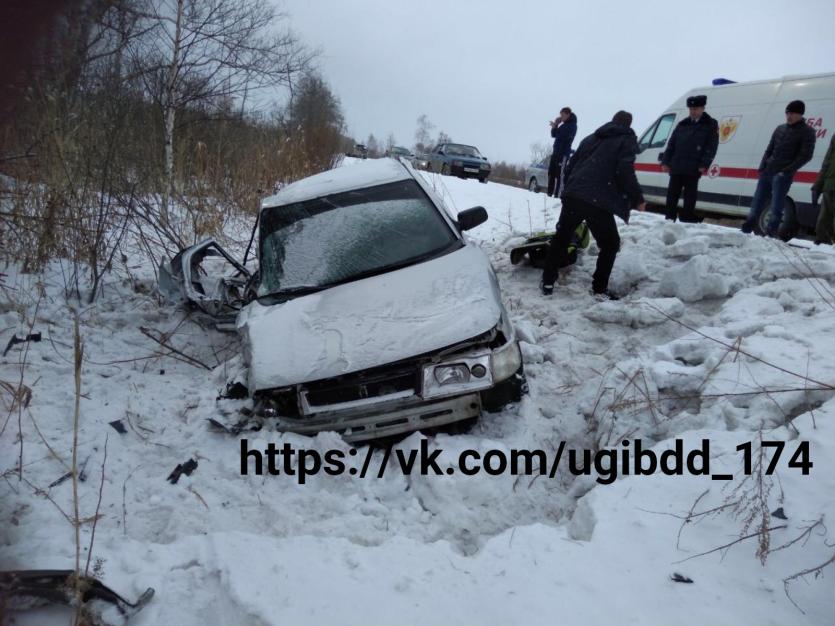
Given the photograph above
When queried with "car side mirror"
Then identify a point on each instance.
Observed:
(660, 156)
(472, 217)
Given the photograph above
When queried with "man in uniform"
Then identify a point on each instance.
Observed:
(687, 157)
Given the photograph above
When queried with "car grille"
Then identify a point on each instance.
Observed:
(368, 384)
(376, 386)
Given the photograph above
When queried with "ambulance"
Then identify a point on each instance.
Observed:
(747, 114)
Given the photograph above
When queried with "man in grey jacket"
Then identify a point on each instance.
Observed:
(790, 148)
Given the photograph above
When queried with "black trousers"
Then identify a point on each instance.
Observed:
(554, 176)
(688, 184)
(603, 228)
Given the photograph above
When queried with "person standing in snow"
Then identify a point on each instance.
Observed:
(790, 148)
(563, 130)
(600, 183)
(687, 157)
(824, 190)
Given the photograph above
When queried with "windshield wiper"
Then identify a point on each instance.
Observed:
(294, 292)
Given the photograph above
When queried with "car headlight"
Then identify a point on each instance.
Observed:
(485, 166)
(505, 361)
(456, 374)
(458, 163)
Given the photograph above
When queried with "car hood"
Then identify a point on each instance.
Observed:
(371, 322)
(466, 160)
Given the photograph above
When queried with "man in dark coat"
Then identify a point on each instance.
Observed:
(791, 147)
(599, 184)
(563, 130)
(687, 156)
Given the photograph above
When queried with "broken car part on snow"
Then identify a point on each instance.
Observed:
(182, 468)
(371, 314)
(28, 589)
(35, 337)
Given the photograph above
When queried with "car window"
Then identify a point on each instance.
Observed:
(459, 150)
(336, 238)
(662, 131)
(643, 142)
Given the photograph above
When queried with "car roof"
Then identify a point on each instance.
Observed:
(781, 79)
(354, 175)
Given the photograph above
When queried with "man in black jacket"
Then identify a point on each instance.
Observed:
(688, 155)
(791, 147)
(563, 130)
(599, 184)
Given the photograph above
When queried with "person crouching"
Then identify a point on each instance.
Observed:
(599, 183)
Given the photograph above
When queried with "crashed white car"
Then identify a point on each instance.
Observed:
(370, 314)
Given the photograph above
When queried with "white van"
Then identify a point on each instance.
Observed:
(747, 114)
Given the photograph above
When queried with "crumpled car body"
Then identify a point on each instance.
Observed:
(370, 314)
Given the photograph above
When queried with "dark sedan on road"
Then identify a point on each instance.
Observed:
(459, 160)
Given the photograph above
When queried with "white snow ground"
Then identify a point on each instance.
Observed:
(221, 548)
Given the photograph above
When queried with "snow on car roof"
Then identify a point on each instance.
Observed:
(364, 173)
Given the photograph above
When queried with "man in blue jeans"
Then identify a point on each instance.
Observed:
(791, 147)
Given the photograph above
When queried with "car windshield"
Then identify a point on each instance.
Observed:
(454, 149)
(307, 246)
(399, 151)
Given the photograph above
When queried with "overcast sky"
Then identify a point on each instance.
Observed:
(493, 72)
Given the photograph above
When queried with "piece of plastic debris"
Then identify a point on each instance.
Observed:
(82, 476)
(36, 337)
(118, 426)
(779, 514)
(183, 468)
(678, 578)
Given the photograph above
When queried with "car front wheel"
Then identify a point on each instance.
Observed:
(482, 179)
(533, 186)
(445, 169)
(510, 390)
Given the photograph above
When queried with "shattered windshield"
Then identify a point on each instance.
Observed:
(308, 245)
(455, 149)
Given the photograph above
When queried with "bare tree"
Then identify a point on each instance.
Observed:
(373, 146)
(442, 138)
(312, 129)
(391, 141)
(209, 52)
(423, 134)
(540, 151)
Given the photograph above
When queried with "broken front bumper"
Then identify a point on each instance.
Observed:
(364, 424)
(395, 399)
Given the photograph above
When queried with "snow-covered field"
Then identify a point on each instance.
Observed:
(719, 336)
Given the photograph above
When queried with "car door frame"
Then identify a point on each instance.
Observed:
(652, 179)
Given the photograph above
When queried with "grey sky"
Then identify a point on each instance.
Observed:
(493, 72)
